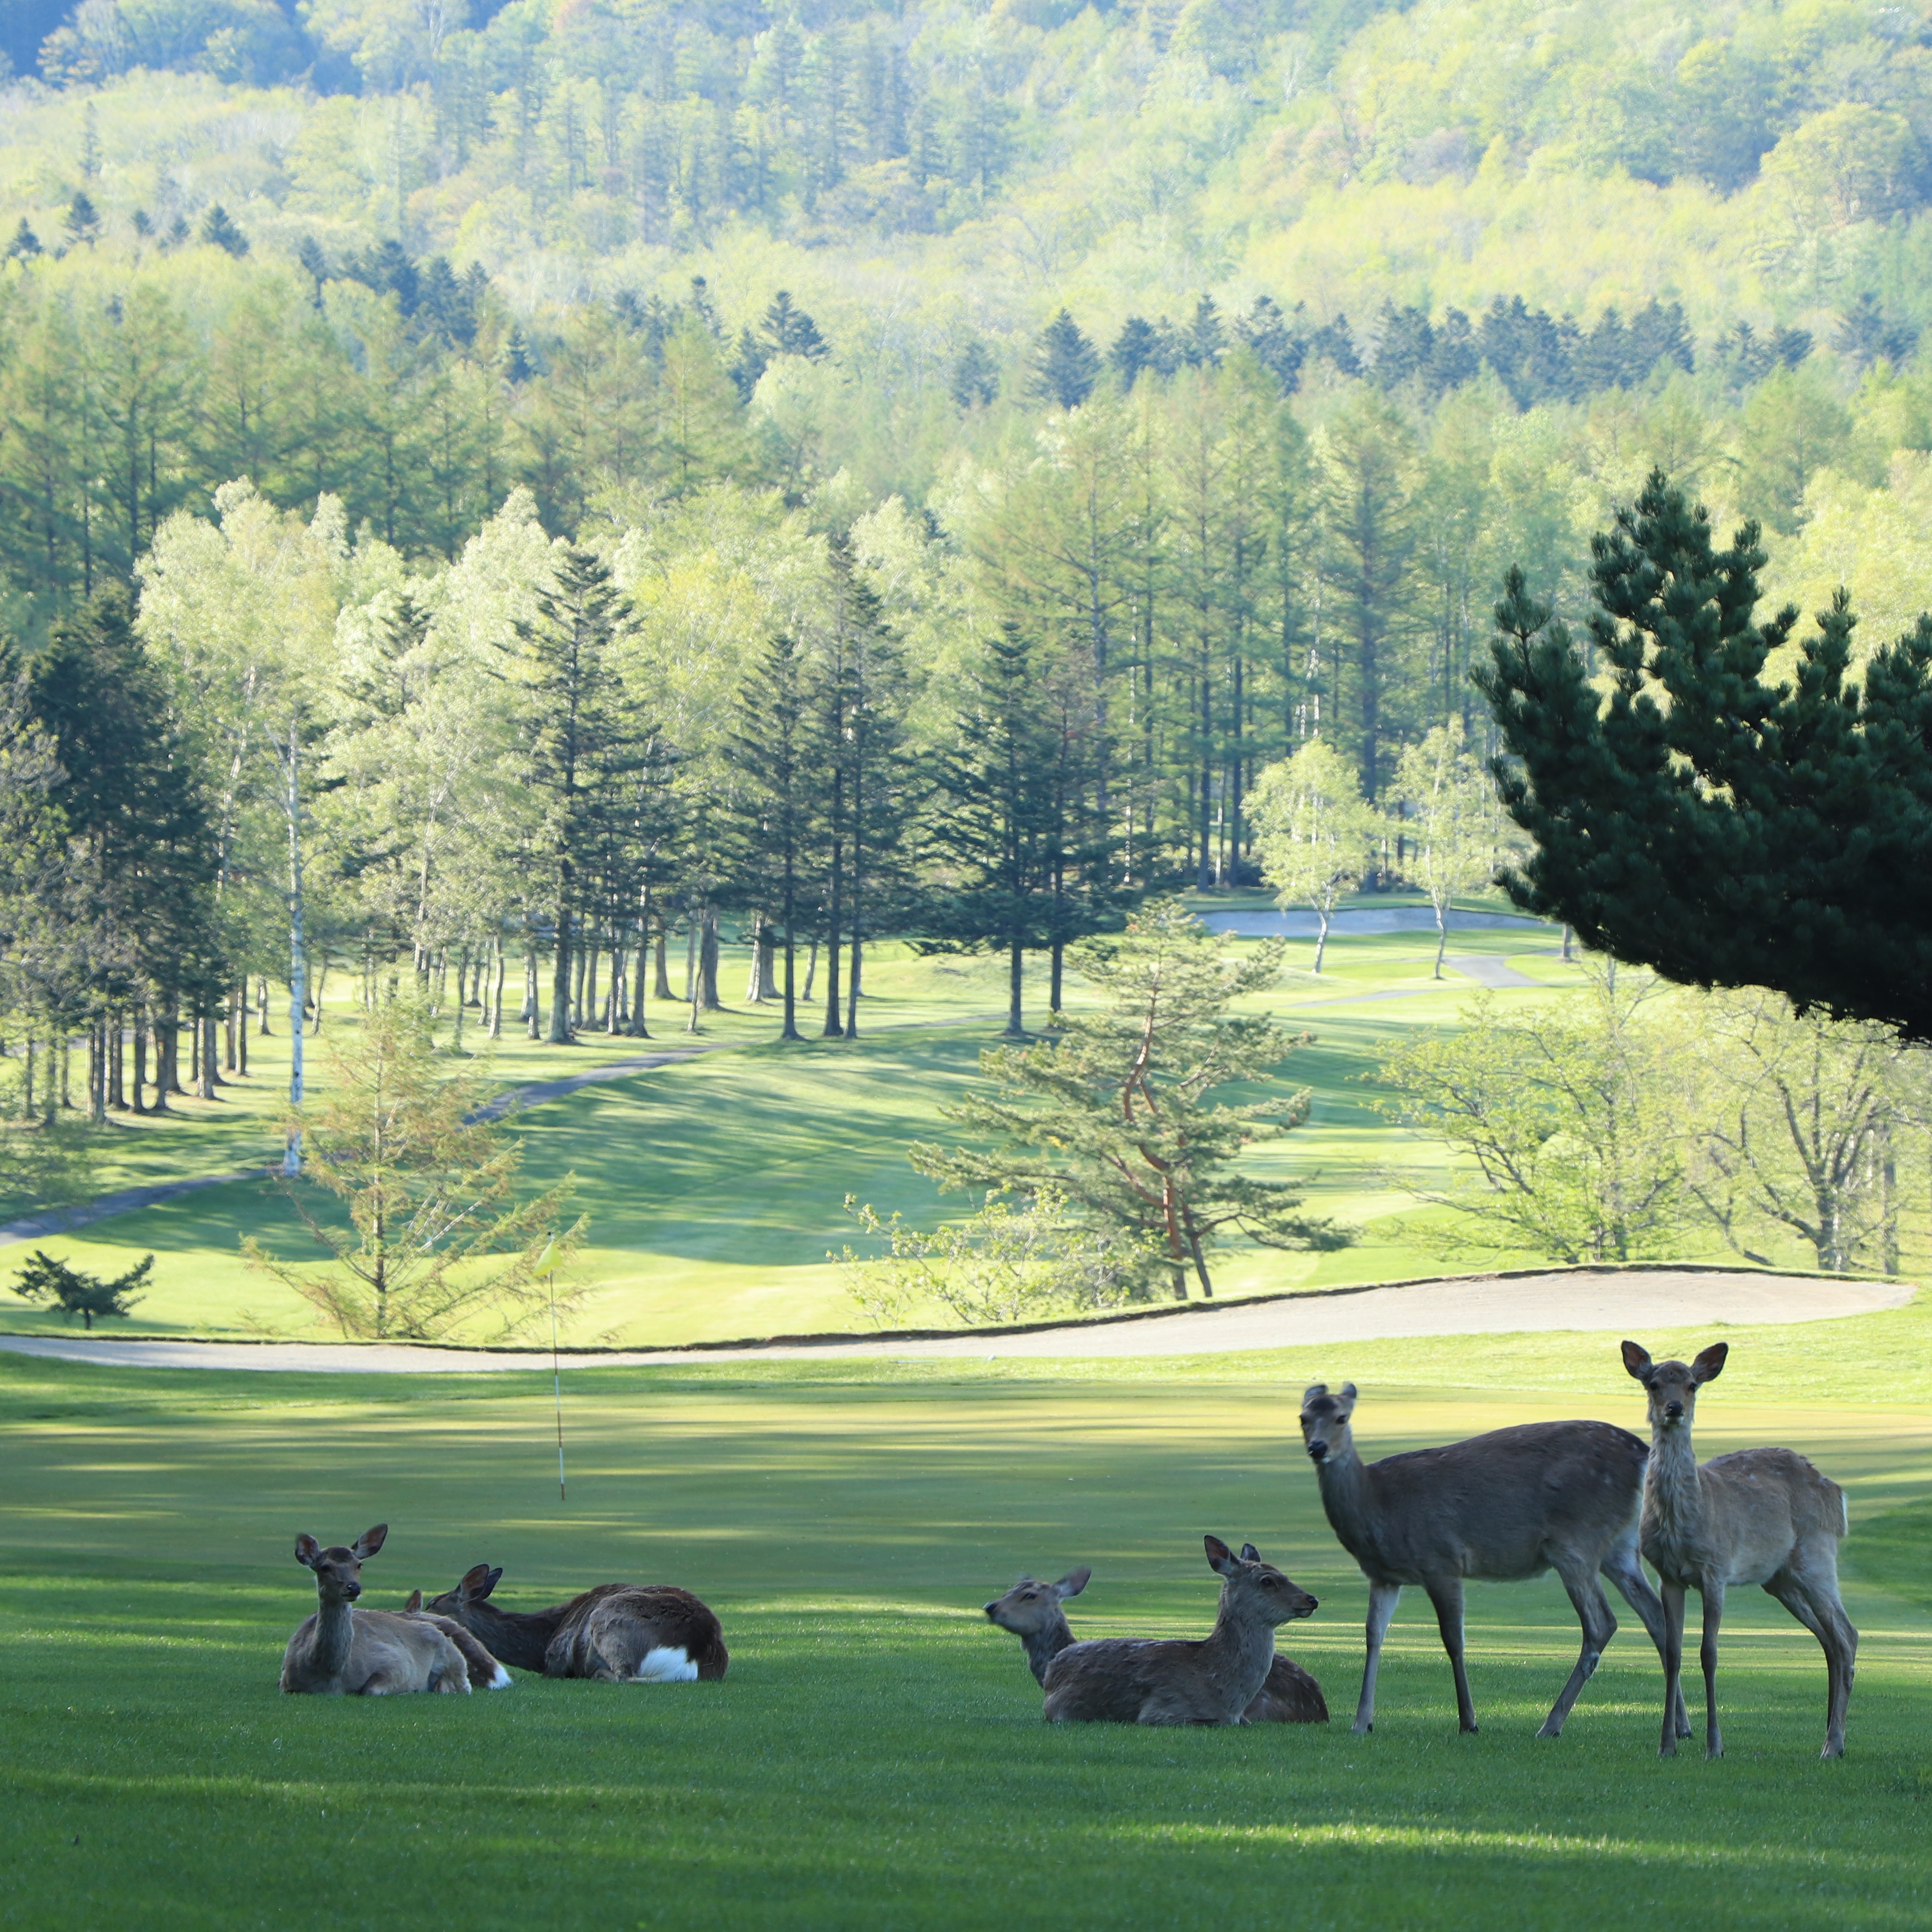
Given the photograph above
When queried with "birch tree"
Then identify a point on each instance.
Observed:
(1447, 812)
(1314, 831)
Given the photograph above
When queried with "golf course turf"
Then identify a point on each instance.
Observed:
(875, 1757)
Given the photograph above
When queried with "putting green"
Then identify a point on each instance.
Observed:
(875, 1757)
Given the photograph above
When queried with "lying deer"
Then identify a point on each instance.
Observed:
(1153, 1681)
(1758, 1516)
(485, 1673)
(1031, 1611)
(340, 1651)
(618, 1633)
(1501, 1507)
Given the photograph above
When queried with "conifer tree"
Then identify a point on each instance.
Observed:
(1066, 364)
(1728, 830)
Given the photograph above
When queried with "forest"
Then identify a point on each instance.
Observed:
(494, 494)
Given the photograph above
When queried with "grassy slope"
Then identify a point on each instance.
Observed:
(714, 1187)
(875, 1757)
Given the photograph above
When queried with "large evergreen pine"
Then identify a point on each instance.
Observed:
(1727, 829)
(1066, 364)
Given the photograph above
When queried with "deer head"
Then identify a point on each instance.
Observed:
(1671, 1387)
(1250, 1586)
(475, 1584)
(1324, 1421)
(1030, 1608)
(338, 1571)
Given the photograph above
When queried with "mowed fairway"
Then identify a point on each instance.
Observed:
(875, 1757)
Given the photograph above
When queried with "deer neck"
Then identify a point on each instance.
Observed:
(516, 1637)
(1043, 1646)
(1673, 1503)
(1241, 1647)
(1345, 1497)
(334, 1634)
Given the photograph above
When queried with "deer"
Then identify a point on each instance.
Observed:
(1159, 1681)
(1757, 1516)
(1031, 1611)
(340, 1651)
(617, 1633)
(485, 1673)
(1501, 1507)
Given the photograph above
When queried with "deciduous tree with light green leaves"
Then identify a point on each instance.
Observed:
(1450, 816)
(1121, 1110)
(1314, 830)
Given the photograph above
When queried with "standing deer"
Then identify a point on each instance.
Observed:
(1031, 1611)
(485, 1673)
(1757, 1516)
(1153, 1681)
(342, 1651)
(618, 1633)
(1500, 1508)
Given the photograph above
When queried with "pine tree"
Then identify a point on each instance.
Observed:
(975, 377)
(1726, 830)
(789, 330)
(83, 221)
(1066, 364)
(1117, 1113)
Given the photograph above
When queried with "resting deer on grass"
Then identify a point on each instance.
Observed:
(1153, 1681)
(342, 1651)
(1512, 1505)
(1758, 1516)
(618, 1633)
(485, 1673)
(1031, 1611)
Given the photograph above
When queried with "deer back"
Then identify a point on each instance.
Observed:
(1496, 1505)
(1756, 1507)
(651, 1633)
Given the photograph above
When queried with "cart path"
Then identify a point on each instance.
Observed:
(1580, 1300)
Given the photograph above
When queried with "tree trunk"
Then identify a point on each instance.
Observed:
(811, 969)
(209, 1028)
(241, 1029)
(1441, 935)
(140, 1066)
(321, 982)
(298, 956)
(262, 1001)
(497, 965)
(559, 984)
(117, 1092)
(1015, 1029)
(1321, 937)
(661, 953)
(638, 1031)
(835, 1027)
(754, 990)
(707, 963)
(1056, 975)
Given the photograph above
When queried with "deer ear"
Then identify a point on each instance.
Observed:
(495, 1577)
(1220, 1557)
(1349, 1393)
(1250, 1554)
(415, 1602)
(475, 1585)
(1636, 1360)
(1710, 1365)
(371, 1541)
(1073, 1582)
(307, 1550)
(1309, 1394)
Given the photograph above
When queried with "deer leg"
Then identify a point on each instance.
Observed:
(1673, 1666)
(1712, 1592)
(1383, 1598)
(1824, 1616)
(1446, 1596)
(1586, 1595)
(1623, 1567)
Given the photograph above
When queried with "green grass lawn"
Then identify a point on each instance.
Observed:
(875, 1758)
(714, 1186)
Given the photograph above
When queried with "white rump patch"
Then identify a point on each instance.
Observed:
(502, 1680)
(667, 1664)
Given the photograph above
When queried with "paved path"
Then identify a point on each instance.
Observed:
(1360, 919)
(1583, 1299)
